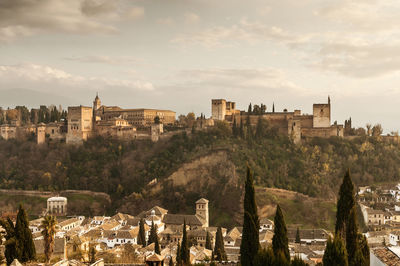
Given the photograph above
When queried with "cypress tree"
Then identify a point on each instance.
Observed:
(352, 235)
(208, 241)
(250, 109)
(345, 204)
(357, 259)
(264, 257)
(142, 234)
(157, 246)
(363, 246)
(178, 254)
(297, 261)
(280, 242)
(24, 236)
(298, 240)
(12, 248)
(335, 253)
(259, 128)
(249, 128)
(185, 252)
(234, 127)
(219, 249)
(251, 224)
(241, 129)
(153, 234)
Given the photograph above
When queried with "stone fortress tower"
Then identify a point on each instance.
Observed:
(322, 114)
(221, 108)
(202, 210)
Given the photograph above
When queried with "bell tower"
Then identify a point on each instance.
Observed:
(96, 102)
(96, 106)
(202, 211)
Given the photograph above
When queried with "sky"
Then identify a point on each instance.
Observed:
(180, 54)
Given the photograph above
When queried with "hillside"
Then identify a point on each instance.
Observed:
(174, 173)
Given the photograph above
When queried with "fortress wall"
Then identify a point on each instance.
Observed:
(323, 132)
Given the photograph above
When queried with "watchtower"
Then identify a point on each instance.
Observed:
(202, 210)
(322, 114)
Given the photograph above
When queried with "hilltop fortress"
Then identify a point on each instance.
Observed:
(293, 124)
(83, 122)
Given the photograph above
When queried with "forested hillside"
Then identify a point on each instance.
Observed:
(125, 169)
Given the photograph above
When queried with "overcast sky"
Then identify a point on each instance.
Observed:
(179, 54)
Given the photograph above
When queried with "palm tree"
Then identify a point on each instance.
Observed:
(48, 227)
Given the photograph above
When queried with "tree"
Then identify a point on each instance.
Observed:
(264, 257)
(351, 236)
(363, 246)
(241, 129)
(153, 234)
(249, 128)
(219, 249)
(157, 120)
(185, 252)
(280, 242)
(335, 252)
(153, 238)
(298, 240)
(377, 130)
(24, 236)
(345, 204)
(208, 241)
(259, 128)
(297, 261)
(178, 254)
(92, 254)
(48, 227)
(142, 234)
(250, 109)
(12, 247)
(251, 224)
(235, 129)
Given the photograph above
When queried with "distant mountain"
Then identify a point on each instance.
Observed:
(31, 98)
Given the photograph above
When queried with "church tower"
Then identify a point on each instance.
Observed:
(96, 103)
(96, 106)
(202, 211)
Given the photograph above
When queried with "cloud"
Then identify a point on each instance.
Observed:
(241, 79)
(191, 18)
(363, 15)
(135, 13)
(96, 8)
(166, 21)
(246, 31)
(359, 60)
(45, 78)
(112, 60)
(19, 18)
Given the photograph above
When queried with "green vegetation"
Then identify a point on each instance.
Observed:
(19, 243)
(124, 169)
(250, 238)
(349, 247)
(219, 249)
(250, 250)
(48, 227)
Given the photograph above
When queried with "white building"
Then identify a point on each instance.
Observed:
(57, 206)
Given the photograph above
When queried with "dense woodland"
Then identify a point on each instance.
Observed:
(123, 169)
